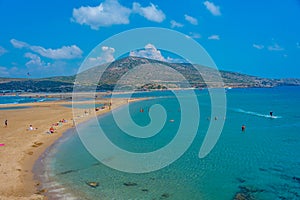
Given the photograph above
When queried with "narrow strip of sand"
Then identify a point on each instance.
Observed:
(20, 148)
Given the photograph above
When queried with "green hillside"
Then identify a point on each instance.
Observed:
(154, 77)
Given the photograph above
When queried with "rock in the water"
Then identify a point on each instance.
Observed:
(66, 172)
(240, 196)
(296, 178)
(241, 180)
(92, 184)
(130, 184)
(263, 169)
(248, 189)
(246, 193)
(165, 195)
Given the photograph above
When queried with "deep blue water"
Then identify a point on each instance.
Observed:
(14, 107)
(22, 99)
(261, 163)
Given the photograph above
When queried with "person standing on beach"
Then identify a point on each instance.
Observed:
(5, 123)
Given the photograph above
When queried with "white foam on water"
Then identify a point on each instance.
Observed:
(256, 114)
(57, 191)
(51, 185)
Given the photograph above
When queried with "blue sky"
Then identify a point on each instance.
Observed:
(48, 38)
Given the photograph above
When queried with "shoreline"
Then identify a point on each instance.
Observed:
(23, 148)
(39, 168)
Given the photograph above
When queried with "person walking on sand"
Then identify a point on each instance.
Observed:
(5, 123)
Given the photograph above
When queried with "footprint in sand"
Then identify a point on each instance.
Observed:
(42, 191)
(37, 144)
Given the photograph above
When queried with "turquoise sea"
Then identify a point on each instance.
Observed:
(83, 106)
(261, 163)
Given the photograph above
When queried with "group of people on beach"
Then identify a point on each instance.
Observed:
(51, 129)
(31, 128)
(59, 123)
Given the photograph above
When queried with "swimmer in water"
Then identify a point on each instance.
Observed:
(243, 128)
(271, 114)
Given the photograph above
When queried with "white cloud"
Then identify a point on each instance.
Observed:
(214, 37)
(111, 12)
(176, 60)
(258, 46)
(4, 72)
(151, 12)
(150, 52)
(65, 52)
(35, 61)
(191, 19)
(105, 57)
(175, 24)
(18, 44)
(2, 51)
(10, 72)
(39, 68)
(212, 8)
(275, 47)
(108, 13)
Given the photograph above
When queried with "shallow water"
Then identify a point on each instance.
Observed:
(82, 106)
(261, 163)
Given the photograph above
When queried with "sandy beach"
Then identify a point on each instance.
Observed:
(21, 147)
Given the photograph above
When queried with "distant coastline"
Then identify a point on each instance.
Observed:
(65, 84)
